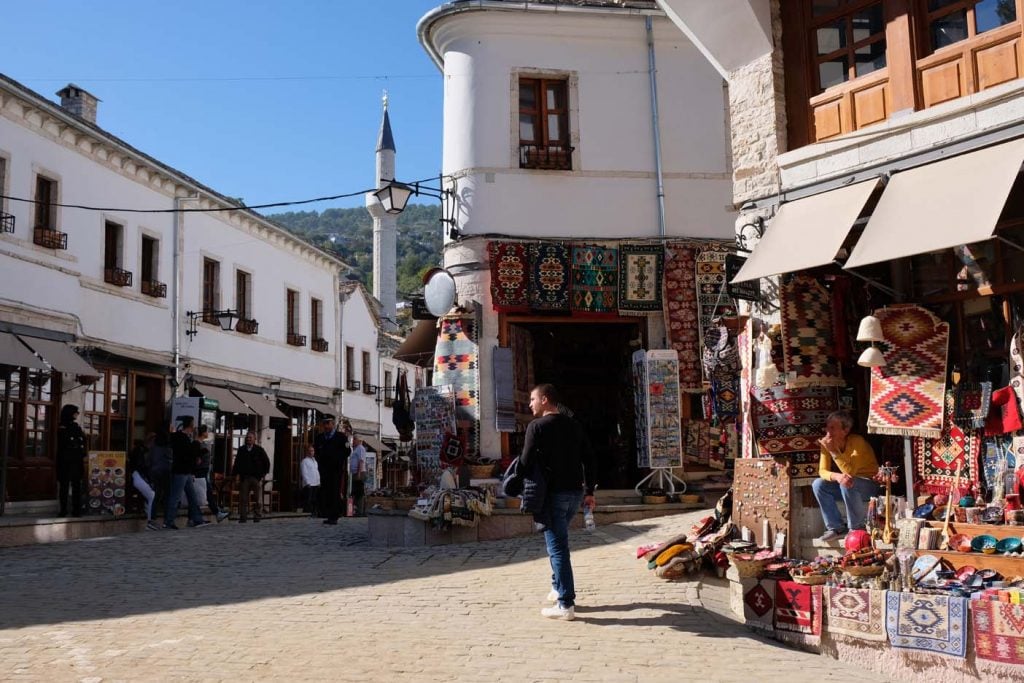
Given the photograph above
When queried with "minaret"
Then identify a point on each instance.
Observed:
(385, 230)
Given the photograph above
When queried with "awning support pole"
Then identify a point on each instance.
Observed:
(874, 283)
(1009, 243)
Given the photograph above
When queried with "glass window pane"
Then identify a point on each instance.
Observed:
(527, 96)
(868, 22)
(553, 99)
(990, 14)
(833, 72)
(826, 6)
(831, 37)
(527, 129)
(554, 128)
(870, 58)
(949, 29)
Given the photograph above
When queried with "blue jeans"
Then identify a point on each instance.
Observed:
(179, 483)
(561, 508)
(854, 498)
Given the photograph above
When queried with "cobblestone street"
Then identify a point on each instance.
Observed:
(293, 599)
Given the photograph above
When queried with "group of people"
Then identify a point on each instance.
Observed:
(332, 453)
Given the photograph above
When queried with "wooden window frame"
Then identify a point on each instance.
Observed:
(46, 195)
(291, 301)
(926, 19)
(366, 366)
(211, 290)
(350, 373)
(389, 389)
(243, 294)
(847, 12)
(104, 391)
(543, 152)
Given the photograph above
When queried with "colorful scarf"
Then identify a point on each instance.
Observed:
(937, 459)
(595, 272)
(550, 265)
(798, 608)
(857, 613)
(999, 631)
(807, 336)
(640, 278)
(681, 312)
(510, 263)
(907, 392)
(931, 623)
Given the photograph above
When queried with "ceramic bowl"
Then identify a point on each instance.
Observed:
(939, 513)
(989, 574)
(1008, 545)
(984, 544)
(960, 542)
(965, 572)
(924, 511)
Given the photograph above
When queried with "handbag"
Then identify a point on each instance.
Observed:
(720, 356)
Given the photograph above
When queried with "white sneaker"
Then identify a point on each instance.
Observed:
(221, 516)
(552, 596)
(558, 612)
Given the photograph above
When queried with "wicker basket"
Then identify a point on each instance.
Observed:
(873, 570)
(481, 471)
(654, 500)
(749, 569)
(811, 580)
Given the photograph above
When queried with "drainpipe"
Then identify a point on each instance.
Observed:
(655, 124)
(179, 279)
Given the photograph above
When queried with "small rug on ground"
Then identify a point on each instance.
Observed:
(999, 631)
(931, 623)
(857, 613)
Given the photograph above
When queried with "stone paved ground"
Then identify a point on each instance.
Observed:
(296, 600)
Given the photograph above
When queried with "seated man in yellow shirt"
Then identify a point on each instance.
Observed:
(855, 461)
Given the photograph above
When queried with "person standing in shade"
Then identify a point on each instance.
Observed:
(182, 466)
(70, 461)
(205, 445)
(138, 464)
(559, 445)
(310, 481)
(251, 465)
(331, 455)
(357, 475)
(853, 483)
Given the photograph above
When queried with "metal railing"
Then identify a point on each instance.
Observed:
(546, 157)
(6, 222)
(117, 276)
(51, 239)
(352, 385)
(154, 289)
(247, 326)
(319, 345)
(296, 339)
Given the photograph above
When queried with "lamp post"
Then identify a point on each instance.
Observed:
(226, 319)
(394, 196)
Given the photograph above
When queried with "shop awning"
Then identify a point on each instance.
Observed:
(373, 444)
(418, 347)
(226, 401)
(807, 233)
(60, 356)
(302, 403)
(940, 205)
(13, 352)
(259, 404)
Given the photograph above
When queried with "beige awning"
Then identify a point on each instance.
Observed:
(226, 401)
(418, 347)
(13, 352)
(374, 445)
(259, 404)
(61, 356)
(807, 233)
(302, 403)
(940, 205)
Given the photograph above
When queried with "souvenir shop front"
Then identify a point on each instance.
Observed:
(919, 335)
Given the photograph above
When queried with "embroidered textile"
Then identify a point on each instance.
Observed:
(932, 623)
(807, 337)
(680, 303)
(712, 300)
(640, 277)
(434, 414)
(759, 605)
(998, 631)
(907, 392)
(698, 442)
(725, 397)
(798, 608)
(549, 276)
(457, 363)
(938, 459)
(973, 400)
(858, 613)
(791, 420)
(595, 273)
(510, 263)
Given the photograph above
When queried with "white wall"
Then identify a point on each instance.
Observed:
(360, 332)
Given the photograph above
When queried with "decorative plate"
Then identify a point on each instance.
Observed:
(926, 568)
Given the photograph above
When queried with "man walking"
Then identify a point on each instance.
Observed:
(251, 465)
(331, 455)
(357, 475)
(559, 445)
(182, 466)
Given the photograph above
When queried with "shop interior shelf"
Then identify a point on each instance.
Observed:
(1007, 566)
(997, 531)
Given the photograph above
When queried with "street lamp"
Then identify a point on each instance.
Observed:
(226, 319)
(394, 196)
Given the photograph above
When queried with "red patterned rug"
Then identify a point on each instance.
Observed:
(759, 605)
(791, 420)
(998, 631)
(907, 392)
(808, 344)
(937, 459)
(680, 301)
(509, 267)
(550, 265)
(798, 608)
(595, 272)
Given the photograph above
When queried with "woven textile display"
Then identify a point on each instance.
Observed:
(656, 375)
(798, 608)
(434, 414)
(510, 263)
(932, 623)
(998, 631)
(712, 301)
(791, 420)
(698, 442)
(808, 342)
(595, 274)
(759, 605)
(937, 459)
(973, 400)
(725, 397)
(680, 299)
(550, 276)
(857, 613)
(640, 276)
(457, 363)
(907, 392)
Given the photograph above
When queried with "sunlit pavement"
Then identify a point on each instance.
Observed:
(294, 599)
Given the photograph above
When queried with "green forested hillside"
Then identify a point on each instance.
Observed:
(349, 234)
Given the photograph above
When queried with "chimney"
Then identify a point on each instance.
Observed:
(77, 101)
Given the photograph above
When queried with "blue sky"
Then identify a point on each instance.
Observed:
(267, 100)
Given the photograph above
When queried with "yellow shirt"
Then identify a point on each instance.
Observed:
(858, 459)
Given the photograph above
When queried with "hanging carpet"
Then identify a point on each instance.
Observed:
(798, 608)
(937, 459)
(550, 276)
(857, 613)
(595, 273)
(712, 300)
(808, 341)
(457, 363)
(680, 303)
(972, 403)
(907, 393)
(999, 631)
(640, 276)
(510, 264)
(931, 623)
(791, 420)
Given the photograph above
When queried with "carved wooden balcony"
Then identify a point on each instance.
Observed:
(117, 276)
(51, 239)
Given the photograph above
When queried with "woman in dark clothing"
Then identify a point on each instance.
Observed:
(70, 461)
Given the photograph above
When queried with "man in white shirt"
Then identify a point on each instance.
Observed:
(310, 481)
(357, 474)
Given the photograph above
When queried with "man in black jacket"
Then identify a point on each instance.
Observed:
(70, 461)
(331, 457)
(251, 465)
(184, 463)
(558, 445)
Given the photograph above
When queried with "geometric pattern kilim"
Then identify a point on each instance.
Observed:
(856, 612)
(937, 460)
(595, 272)
(999, 631)
(908, 392)
(808, 344)
(932, 623)
(790, 420)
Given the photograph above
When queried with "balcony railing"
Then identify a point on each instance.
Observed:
(154, 289)
(352, 385)
(51, 239)
(296, 339)
(319, 345)
(247, 326)
(6, 222)
(546, 157)
(117, 276)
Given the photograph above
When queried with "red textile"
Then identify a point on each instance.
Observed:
(509, 269)
(798, 607)
(680, 302)
(1003, 416)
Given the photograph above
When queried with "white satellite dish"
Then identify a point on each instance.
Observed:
(438, 291)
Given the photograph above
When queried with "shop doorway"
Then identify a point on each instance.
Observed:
(589, 364)
(147, 405)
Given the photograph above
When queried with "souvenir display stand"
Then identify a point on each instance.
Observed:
(658, 418)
